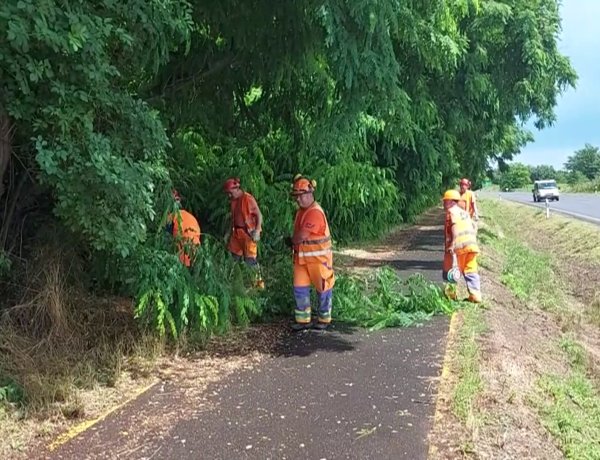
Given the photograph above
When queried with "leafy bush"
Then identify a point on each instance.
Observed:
(582, 186)
(383, 103)
(10, 391)
(207, 299)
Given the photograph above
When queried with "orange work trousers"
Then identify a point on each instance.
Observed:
(241, 245)
(322, 277)
(467, 263)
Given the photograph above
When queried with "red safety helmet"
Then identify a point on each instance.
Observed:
(231, 184)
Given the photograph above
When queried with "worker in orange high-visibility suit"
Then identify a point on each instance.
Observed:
(186, 230)
(246, 222)
(460, 240)
(313, 257)
(467, 195)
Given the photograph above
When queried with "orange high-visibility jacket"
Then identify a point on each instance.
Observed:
(244, 212)
(190, 228)
(466, 238)
(318, 248)
(186, 231)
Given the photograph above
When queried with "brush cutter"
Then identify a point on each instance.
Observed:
(454, 274)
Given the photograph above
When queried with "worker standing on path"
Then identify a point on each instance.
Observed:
(460, 246)
(185, 229)
(313, 257)
(467, 195)
(246, 223)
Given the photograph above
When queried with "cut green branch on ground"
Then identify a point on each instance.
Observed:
(382, 299)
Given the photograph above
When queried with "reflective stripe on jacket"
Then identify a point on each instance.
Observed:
(318, 249)
(466, 236)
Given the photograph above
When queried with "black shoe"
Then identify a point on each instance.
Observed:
(320, 326)
(296, 327)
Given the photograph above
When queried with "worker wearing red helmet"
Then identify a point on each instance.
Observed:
(313, 257)
(185, 229)
(246, 221)
(460, 240)
(468, 197)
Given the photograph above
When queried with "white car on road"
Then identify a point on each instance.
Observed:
(545, 190)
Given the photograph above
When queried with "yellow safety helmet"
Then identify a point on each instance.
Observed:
(451, 195)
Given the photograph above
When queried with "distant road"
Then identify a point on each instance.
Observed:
(584, 206)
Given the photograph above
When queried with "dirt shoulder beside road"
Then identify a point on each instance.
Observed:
(523, 377)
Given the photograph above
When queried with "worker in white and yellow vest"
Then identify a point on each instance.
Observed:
(461, 241)
(313, 257)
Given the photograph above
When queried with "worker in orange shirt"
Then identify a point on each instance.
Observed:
(246, 222)
(313, 257)
(186, 230)
(461, 242)
(467, 195)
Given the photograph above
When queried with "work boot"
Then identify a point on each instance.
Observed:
(320, 326)
(297, 327)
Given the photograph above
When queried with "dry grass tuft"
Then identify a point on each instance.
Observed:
(57, 345)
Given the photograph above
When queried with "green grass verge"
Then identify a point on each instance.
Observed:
(558, 235)
(570, 406)
(527, 273)
(469, 383)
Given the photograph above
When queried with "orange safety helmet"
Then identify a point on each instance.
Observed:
(451, 195)
(302, 185)
(465, 181)
(231, 184)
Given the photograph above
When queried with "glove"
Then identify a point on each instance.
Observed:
(288, 242)
(255, 235)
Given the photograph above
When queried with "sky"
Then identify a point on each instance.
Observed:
(578, 111)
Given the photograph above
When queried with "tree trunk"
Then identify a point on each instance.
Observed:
(6, 135)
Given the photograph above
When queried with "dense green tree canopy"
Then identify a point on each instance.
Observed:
(517, 176)
(111, 102)
(542, 172)
(585, 162)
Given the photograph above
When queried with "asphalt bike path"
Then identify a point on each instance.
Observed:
(340, 394)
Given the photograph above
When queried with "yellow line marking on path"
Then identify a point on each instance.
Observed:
(83, 426)
(444, 375)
